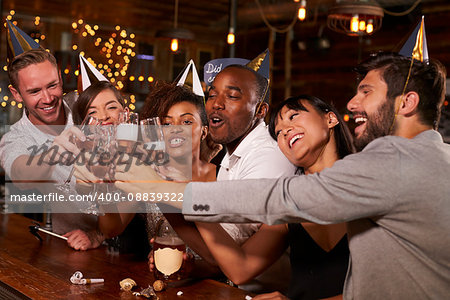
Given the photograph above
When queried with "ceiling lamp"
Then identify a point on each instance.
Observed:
(355, 17)
(302, 11)
(175, 33)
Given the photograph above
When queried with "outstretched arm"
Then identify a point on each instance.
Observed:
(29, 165)
(355, 187)
(113, 224)
(241, 263)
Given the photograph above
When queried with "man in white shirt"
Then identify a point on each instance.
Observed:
(236, 106)
(47, 121)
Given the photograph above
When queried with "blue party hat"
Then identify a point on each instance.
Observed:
(18, 41)
(416, 45)
(213, 67)
(261, 64)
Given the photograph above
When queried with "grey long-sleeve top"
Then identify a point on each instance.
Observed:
(395, 194)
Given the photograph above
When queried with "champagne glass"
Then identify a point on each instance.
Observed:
(127, 131)
(87, 127)
(101, 163)
(154, 145)
(153, 139)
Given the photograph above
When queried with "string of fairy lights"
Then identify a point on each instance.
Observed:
(116, 51)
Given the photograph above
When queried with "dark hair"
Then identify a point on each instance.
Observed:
(427, 79)
(164, 95)
(262, 83)
(86, 97)
(342, 135)
(31, 57)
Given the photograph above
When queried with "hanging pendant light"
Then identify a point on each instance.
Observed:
(302, 11)
(355, 17)
(175, 34)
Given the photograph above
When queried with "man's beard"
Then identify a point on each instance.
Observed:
(377, 125)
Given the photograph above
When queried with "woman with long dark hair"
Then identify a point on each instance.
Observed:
(312, 135)
(104, 102)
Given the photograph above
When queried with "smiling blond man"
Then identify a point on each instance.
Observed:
(46, 122)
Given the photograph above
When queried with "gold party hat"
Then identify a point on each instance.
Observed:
(261, 64)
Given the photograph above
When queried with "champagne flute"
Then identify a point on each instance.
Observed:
(102, 162)
(154, 145)
(87, 127)
(153, 139)
(127, 131)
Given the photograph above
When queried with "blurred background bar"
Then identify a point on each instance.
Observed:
(314, 44)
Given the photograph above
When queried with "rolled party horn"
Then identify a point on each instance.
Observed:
(77, 278)
(34, 229)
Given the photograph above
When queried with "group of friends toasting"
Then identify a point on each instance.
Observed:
(304, 253)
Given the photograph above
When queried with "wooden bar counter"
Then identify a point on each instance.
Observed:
(42, 270)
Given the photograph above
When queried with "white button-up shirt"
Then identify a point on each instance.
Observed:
(257, 156)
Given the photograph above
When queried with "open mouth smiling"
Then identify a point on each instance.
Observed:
(359, 120)
(48, 108)
(176, 141)
(295, 138)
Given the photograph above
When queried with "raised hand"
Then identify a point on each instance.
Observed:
(209, 149)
